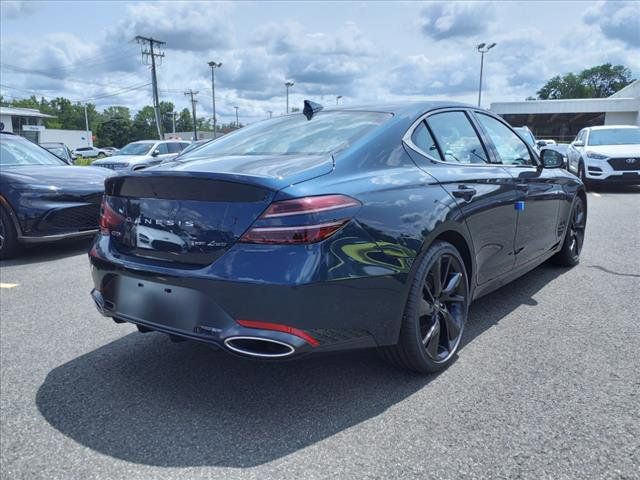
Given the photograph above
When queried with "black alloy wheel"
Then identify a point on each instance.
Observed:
(435, 314)
(442, 312)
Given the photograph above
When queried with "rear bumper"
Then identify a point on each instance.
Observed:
(337, 315)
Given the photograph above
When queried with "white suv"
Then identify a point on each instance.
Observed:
(91, 152)
(606, 154)
(143, 154)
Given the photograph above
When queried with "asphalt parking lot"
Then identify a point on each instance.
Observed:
(547, 385)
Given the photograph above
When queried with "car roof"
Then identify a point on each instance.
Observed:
(406, 107)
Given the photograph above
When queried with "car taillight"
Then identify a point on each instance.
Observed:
(315, 227)
(109, 218)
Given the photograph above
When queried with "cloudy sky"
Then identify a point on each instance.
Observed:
(365, 51)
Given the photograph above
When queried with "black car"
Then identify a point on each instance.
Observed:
(335, 229)
(43, 199)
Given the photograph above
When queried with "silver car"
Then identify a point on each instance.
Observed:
(143, 154)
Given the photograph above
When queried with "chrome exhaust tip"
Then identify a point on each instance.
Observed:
(259, 347)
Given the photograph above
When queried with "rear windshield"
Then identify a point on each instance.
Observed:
(294, 134)
(615, 136)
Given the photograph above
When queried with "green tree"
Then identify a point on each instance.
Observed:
(144, 124)
(184, 122)
(114, 132)
(595, 82)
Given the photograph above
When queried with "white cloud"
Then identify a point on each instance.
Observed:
(442, 20)
(616, 20)
(182, 25)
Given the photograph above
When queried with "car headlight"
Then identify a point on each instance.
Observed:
(596, 156)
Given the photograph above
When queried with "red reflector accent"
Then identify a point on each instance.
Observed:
(292, 235)
(307, 205)
(277, 327)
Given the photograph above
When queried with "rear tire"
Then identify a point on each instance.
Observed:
(9, 246)
(569, 255)
(435, 313)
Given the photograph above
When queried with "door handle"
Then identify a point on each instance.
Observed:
(522, 186)
(464, 192)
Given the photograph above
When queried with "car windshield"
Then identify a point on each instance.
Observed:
(615, 136)
(136, 149)
(294, 134)
(57, 151)
(16, 152)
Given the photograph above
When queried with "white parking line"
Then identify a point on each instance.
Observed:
(8, 285)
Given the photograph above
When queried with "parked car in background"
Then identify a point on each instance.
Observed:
(110, 150)
(526, 133)
(42, 199)
(90, 152)
(346, 228)
(143, 154)
(193, 146)
(60, 150)
(606, 154)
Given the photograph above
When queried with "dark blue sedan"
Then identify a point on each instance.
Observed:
(334, 230)
(43, 199)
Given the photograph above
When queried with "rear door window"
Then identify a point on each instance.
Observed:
(458, 140)
(421, 138)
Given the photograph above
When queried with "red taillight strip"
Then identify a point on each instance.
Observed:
(298, 227)
(309, 205)
(277, 327)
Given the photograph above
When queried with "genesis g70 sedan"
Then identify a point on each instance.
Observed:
(335, 229)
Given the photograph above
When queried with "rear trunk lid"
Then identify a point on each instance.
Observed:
(191, 213)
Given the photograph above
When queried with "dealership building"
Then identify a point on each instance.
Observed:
(28, 123)
(561, 120)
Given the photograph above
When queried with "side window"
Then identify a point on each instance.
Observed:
(162, 149)
(421, 138)
(512, 150)
(173, 147)
(183, 145)
(457, 139)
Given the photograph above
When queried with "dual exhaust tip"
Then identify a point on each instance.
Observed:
(259, 347)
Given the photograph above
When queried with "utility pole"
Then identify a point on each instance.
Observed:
(338, 97)
(270, 112)
(86, 125)
(482, 48)
(150, 53)
(213, 66)
(173, 117)
(192, 94)
(237, 122)
(288, 84)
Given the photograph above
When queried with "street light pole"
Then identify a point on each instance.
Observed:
(338, 98)
(237, 122)
(270, 112)
(482, 48)
(86, 125)
(288, 84)
(213, 66)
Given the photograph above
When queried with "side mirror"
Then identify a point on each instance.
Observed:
(578, 143)
(541, 143)
(551, 158)
(155, 153)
